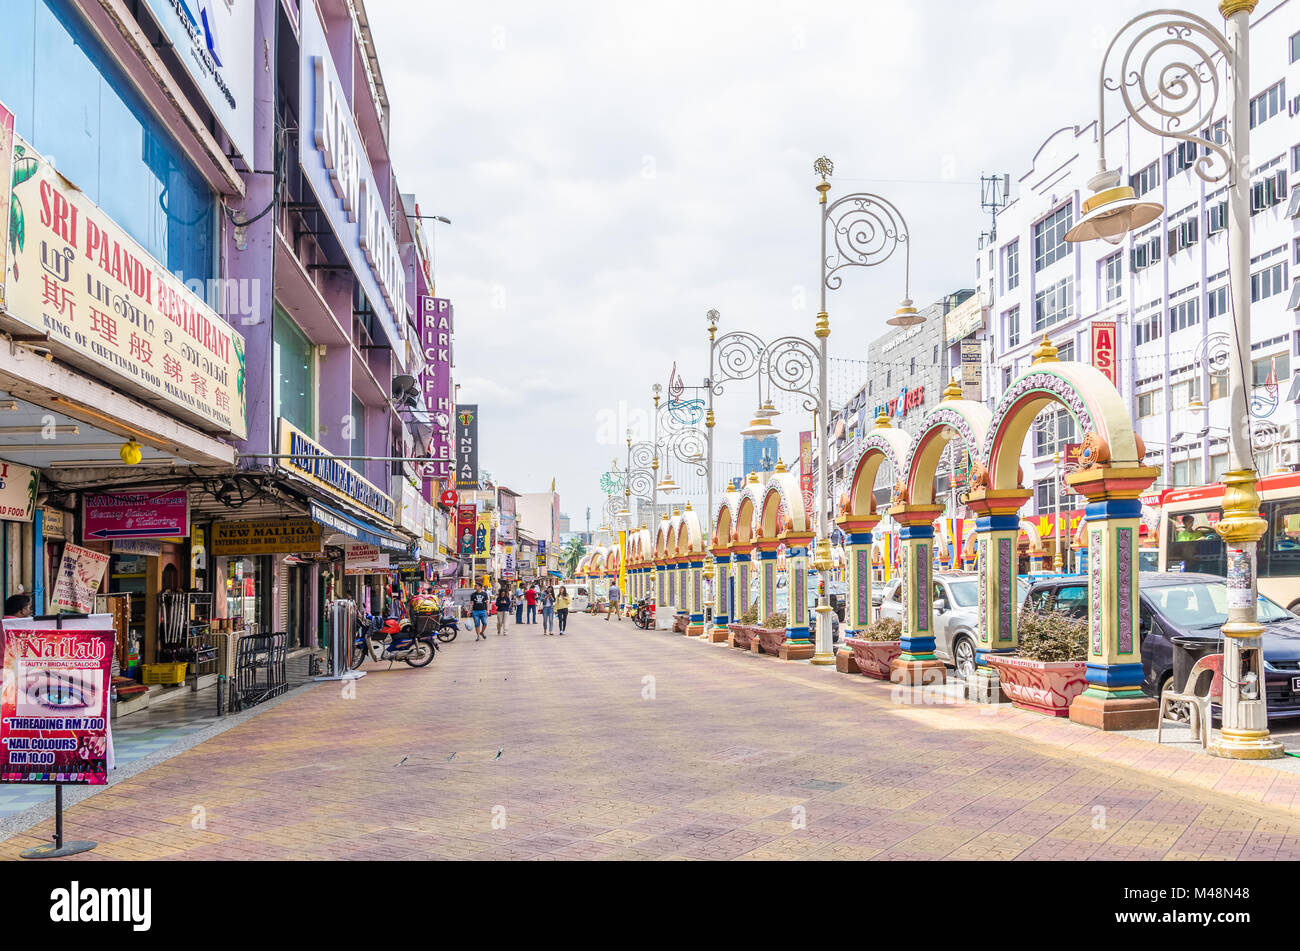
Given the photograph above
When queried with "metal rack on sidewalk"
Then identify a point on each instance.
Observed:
(259, 672)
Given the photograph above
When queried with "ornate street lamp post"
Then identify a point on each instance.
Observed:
(1169, 83)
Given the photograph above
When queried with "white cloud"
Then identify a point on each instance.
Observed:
(615, 170)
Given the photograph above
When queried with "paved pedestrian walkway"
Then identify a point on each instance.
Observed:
(613, 742)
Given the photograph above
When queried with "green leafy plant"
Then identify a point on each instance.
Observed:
(749, 616)
(776, 621)
(882, 629)
(1052, 637)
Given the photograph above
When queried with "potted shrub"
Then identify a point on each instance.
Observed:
(1047, 672)
(875, 647)
(771, 635)
(742, 630)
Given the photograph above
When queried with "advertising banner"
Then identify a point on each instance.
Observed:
(311, 461)
(467, 446)
(805, 471)
(364, 560)
(266, 537)
(80, 573)
(972, 370)
(1105, 349)
(19, 486)
(214, 40)
(136, 515)
(466, 524)
(54, 722)
(113, 310)
(483, 536)
(964, 319)
(335, 164)
(434, 325)
(507, 517)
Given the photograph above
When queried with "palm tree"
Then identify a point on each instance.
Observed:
(570, 554)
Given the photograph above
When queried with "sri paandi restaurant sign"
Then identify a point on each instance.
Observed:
(309, 459)
(112, 309)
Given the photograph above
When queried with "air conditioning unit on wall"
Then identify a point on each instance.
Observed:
(1289, 455)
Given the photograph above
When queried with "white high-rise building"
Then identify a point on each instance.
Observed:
(1165, 286)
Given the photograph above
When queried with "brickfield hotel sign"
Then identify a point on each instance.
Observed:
(111, 308)
(335, 164)
(434, 324)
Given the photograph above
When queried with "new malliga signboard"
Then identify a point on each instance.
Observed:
(112, 309)
(335, 164)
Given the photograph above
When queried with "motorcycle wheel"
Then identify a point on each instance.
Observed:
(358, 656)
(447, 634)
(421, 653)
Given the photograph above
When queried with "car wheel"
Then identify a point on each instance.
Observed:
(1294, 606)
(963, 657)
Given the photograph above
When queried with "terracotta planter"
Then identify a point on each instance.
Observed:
(874, 657)
(680, 623)
(1042, 686)
(770, 639)
(742, 635)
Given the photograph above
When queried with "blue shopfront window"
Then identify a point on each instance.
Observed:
(76, 106)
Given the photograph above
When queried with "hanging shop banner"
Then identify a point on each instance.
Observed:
(333, 160)
(364, 560)
(309, 459)
(6, 175)
(483, 535)
(214, 41)
(972, 371)
(466, 523)
(19, 486)
(272, 536)
(111, 309)
(108, 516)
(507, 518)
(806, 470)
(80, 573)
(54, 722)
(467, 446)
(964, 319)
(434, 325)
(1104, 349)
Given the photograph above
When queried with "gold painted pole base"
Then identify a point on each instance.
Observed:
(823, 660)
(1246, 744)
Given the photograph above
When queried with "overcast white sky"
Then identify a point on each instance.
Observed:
(613, 170)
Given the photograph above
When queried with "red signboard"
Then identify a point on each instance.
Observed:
(805, 470)
(449, 498)
(136, 515)
(1104, 348)
(466, 520)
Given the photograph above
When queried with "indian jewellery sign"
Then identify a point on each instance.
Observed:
(335, 164)
(111, 308)
(309, 459)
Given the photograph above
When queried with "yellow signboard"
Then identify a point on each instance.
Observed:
(311, 461)
(266, 537)
(110, 307)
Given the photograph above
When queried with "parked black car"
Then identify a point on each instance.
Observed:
(1173, 604)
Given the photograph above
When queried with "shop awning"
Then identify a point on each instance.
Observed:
(334, 520)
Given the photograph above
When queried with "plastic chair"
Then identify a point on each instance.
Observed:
(1204, 686)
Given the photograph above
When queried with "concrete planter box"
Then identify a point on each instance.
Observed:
(742, 636)
(680, 623)
(770, 640)
(1042, 686)
(874, 657)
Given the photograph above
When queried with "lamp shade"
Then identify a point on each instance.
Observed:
(1113, 211)
(760, 428)
(906, 315)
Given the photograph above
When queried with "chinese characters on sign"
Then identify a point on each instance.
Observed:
(76, 275)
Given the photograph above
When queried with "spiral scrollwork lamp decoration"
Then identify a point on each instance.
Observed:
(1170, 69)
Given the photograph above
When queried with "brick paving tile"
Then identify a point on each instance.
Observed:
(589, 769)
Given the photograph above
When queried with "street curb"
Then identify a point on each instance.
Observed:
(34, 815)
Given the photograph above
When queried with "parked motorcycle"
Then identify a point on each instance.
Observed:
(391, 639)
(442, 627)
(645, 614)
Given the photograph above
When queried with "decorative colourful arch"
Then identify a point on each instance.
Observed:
(782, 490)
(1086, 394)
(963, 418)
(882, 445)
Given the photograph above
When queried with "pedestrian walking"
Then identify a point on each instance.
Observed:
(518, 602)
(530, 598)
(478, 610)
(611, 607)
(503, 607)
(562, 609)
(548, 611)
